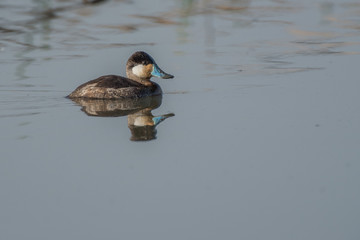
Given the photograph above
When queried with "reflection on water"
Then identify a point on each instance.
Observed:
(208, 9)
(28, 44)
(141, 122)
(71, 26)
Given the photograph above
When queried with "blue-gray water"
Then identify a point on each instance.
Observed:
(264, 143)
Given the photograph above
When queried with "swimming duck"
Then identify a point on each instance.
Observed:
(140, 67)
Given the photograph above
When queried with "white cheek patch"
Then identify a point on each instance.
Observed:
(143, 121)
(138, 70)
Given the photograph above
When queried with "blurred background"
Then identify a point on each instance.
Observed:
(262, 136)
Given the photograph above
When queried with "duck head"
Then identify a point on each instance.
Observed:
(141, 67)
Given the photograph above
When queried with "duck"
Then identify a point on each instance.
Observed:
(140, 67)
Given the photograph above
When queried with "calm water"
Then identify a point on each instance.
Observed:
(264, 143)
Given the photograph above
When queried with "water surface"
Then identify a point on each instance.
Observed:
(264, 143)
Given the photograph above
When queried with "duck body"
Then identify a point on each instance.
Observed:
(113, 87)
(139, 69)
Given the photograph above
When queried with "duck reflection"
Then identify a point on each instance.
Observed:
(141, 122)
